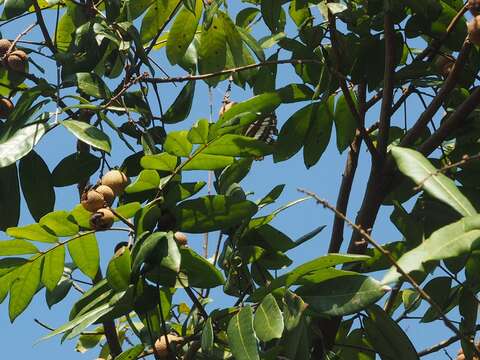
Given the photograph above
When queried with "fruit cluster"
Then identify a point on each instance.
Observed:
(98, 199)
(13, 58)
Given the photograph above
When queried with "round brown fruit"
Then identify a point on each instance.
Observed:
(102, 219)
(6, 107)
(226, 106)
(474, 7)
(181, 238)
(473, 27)
(17, 60)
(116, 180)
(92, 200)
(107, 193)
(161, 344)
(4, 47)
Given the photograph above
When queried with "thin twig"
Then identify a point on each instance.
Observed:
(230, 71)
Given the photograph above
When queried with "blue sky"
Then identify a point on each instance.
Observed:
(17, 340)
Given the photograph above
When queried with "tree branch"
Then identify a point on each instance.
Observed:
(439, 99)
(442, 345)
(348, 176)
(43, 27)
(389, 82)
(451, 123)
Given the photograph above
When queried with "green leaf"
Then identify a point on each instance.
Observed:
(53, 264)
(60, 223)
(9, 197)
(100, 290)
(156, 18)
(181, 107)
(271, 10)
(91, 84)
(182, 32)
(146, 180)
(75, 168)
(387, 337)
(268, 322)
(208, 162)
(207, 337)
(198, 134)
(17, 247)
(210, 213)
(37, 185)
(131, 354)
(314, 271)
(212, 52)
(345, 124)
(177, 143)
(162, 162)
(241, 335)
(89, 134)
(447, 242)
(85, 254)
(318, 135)
(200, 272)
(151, 249)
(118, 270)
(20, 143)
(13, 8)
(23, 286)
(342, 295)
(295, 342)
(128, 210)
(32, 232)
(83, 320)
(237, 145)
(293, 133)
(423, 173)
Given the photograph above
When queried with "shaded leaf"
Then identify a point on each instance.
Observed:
(37, 185)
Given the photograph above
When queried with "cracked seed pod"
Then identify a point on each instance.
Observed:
(161, 345)
(107, 193)
(226, 106)
(116, 180)
(474, 7)
(473, 27)
(17, 60)
(180, 238)
(4, 47)
(102, 219)
(6, 107)
(92, 200)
